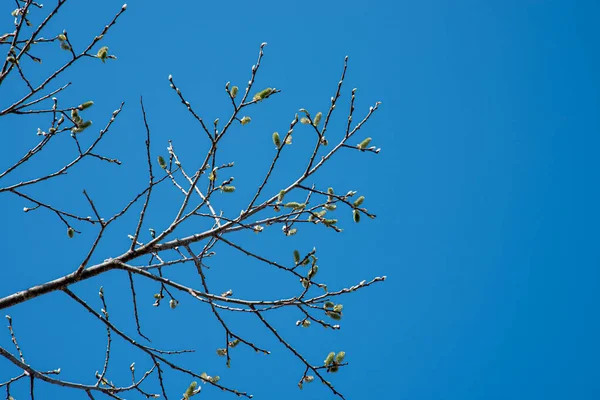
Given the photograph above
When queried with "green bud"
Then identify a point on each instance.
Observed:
(162, 162)
(329, 359)
(245, 120)
(313, 271)
(70, 232)
(263, 94)
(356, 216)
(276, 139)
(339, 358)
(292, 232)
(228, 189)
(295, 205)
(363, 145)
(329, 222)
(65, 46)
(338, 308)
(330, 207)
(234, 91)
(305, 121)
(85, 105)
(215, 379)
(62, 37)
(281, 195)
(305, 323)
(84, 125)
(318, 118)
(234, 343)
(329, 304)
(309, 378)
(296, 256)
(212, 175)
(173, 304)
(333, 368)
(334, 315)
(359, 201)
(221, 352)
(190, 391)
(102, 53)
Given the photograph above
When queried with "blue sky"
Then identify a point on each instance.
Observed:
(485, 189)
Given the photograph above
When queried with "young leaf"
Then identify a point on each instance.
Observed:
(162, 162)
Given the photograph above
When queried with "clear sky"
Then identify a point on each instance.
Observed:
(486, 190)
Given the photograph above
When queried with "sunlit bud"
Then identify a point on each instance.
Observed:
(356, 216)
(221, 352)
(329, 359)
(228, 189)
(263, 94)
(102, 53)
(245, 120)
(276, 139)
(363, 145)
(317, 119)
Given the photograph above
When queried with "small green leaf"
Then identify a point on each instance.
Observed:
(296, 256)
(162, 162)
